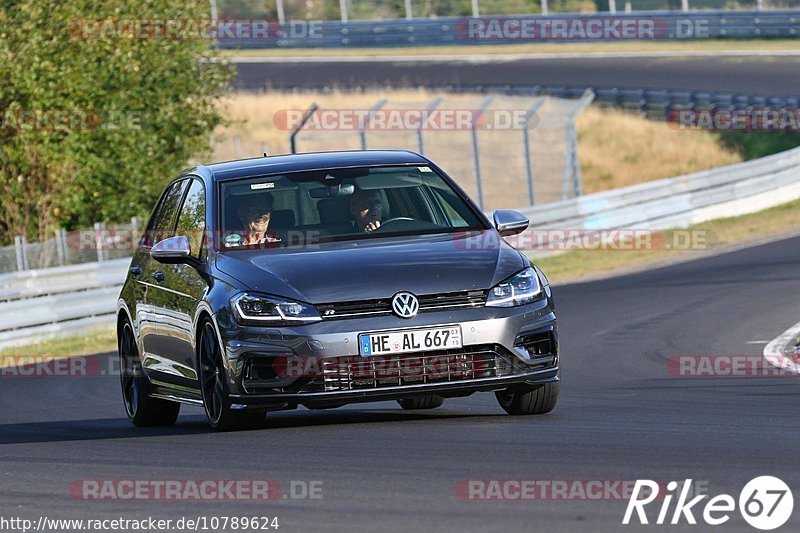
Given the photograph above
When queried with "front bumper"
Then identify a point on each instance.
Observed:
(318, 365)
(447, 389)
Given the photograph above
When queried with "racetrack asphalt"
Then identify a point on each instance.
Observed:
(621, 416)
(758, 75)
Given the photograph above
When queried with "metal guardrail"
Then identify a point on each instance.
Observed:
(36, 304)
(681, 201)
(653, 103)
(62, 300)
(666, 25)
(59, 280)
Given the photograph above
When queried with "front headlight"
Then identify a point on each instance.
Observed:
(522, 288)
(272, 310)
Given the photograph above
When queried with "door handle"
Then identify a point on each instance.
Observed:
(136, 271)
(159, 276)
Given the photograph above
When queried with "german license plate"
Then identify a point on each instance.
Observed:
(409, 341)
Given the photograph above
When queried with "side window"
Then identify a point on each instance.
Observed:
(163, 221)
(192, 220)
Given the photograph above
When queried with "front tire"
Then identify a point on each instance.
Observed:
(213, 385)
(529, 401)
(141, 409)
(430, 401)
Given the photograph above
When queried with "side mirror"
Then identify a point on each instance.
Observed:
(172, 251)
(510, 222)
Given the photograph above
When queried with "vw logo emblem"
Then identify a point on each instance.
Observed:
(405, 304)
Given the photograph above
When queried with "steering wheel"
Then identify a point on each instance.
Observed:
(395, 219)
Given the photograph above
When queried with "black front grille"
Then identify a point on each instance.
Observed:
(383, 306)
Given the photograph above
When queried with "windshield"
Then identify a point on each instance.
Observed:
(340, 204)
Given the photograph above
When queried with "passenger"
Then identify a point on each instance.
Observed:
(255, 212)
(366, 206)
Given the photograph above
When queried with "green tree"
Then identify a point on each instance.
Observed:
(93, 124)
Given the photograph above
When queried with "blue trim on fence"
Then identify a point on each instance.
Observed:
(666, 25)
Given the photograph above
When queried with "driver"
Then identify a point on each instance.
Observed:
(366, 206)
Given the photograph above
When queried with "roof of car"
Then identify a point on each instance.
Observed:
(311, 161)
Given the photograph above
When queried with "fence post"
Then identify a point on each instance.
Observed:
(572, 165)
(292, 136)
(420, 141)
(136, 237)
(363, 133)
(526, 140)
(61, 249)
(214, 12)
(20, 242)
(476, 159)
(281, 13)
(98, 241)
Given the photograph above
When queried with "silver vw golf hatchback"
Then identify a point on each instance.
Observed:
(326, 279)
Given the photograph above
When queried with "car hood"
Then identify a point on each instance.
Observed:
(376, 268)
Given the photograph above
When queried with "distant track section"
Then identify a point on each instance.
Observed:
(768, 76)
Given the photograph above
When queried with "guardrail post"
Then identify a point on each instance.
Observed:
(98, 241)
(363, 133)
(20, 242)
(409, 13)
(684, 5)
(545, 10)
(343, 10)
(293, 136)
(612, 6)
(476, 9)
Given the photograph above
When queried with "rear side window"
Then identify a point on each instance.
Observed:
(192, 220)
(162, 225)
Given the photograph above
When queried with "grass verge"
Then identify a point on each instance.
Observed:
(710, 45)
(720, 234)
(96, 340)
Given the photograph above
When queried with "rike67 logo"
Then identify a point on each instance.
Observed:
(765, 503)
